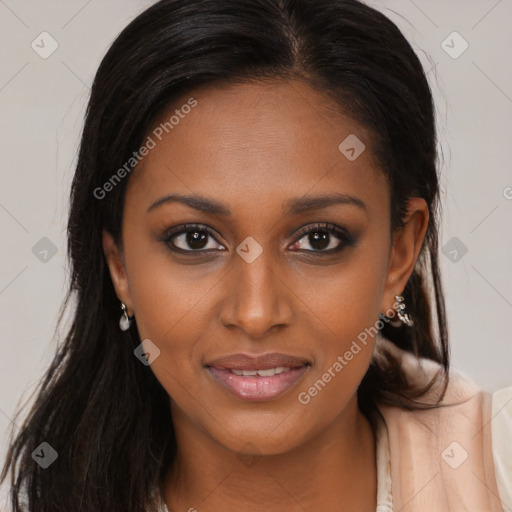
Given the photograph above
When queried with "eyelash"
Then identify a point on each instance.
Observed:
(345, 238)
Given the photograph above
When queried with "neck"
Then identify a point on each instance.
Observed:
(334, 470)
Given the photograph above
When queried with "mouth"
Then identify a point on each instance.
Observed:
(258, 378)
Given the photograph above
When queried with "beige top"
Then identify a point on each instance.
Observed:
(501, 451)
(454, 457)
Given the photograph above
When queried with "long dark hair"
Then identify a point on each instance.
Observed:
(104, 413)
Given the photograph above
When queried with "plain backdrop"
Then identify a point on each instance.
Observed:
(43, 102)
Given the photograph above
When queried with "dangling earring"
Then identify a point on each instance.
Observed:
(125, 321)
(404, 317)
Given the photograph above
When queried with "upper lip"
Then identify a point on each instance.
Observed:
(262, 362)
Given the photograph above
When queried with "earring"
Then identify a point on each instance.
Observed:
(404, 317)
(125, 321)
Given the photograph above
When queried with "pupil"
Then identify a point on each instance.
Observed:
(320, 238)
(196, 239)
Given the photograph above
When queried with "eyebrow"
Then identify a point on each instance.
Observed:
(290, 207)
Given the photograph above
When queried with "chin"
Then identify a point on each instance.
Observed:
(276, 436)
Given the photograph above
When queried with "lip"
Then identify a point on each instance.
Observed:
(261, 362)
(258, 388)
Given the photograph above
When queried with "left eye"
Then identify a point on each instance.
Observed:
(320, 238)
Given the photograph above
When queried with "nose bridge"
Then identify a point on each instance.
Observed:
(258, 300)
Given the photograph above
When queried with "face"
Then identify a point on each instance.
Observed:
(257, 289)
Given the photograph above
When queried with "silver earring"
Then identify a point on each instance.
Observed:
(125, 321)
(404, 317)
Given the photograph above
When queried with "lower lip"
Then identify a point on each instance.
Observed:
(258, 389)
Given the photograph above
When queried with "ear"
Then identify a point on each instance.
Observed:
(407, 243)
(117, 270)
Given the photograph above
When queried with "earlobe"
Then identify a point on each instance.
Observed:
(407, 244)
(117, 270)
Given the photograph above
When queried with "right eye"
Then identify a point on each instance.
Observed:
(191, 237)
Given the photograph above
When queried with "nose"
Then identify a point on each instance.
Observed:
(257, 300)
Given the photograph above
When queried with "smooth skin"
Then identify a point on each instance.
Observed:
(254, 147)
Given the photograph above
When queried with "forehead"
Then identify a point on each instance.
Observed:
(267, 141)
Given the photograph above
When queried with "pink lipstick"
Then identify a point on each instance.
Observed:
(258, 378)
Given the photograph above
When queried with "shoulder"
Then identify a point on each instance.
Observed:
(501, 427)
(453, 449)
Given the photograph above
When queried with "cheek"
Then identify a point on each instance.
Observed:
(347, 301)
(166, 295)
(167, 314)
(169, 307)
(347, 309)
(173, 309)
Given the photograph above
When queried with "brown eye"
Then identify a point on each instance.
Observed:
(192, 238)
(325, 237)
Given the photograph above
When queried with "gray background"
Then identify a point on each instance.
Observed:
(43, 102)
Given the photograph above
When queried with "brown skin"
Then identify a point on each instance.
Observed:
(252, 147)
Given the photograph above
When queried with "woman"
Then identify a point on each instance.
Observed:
(253, 239)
